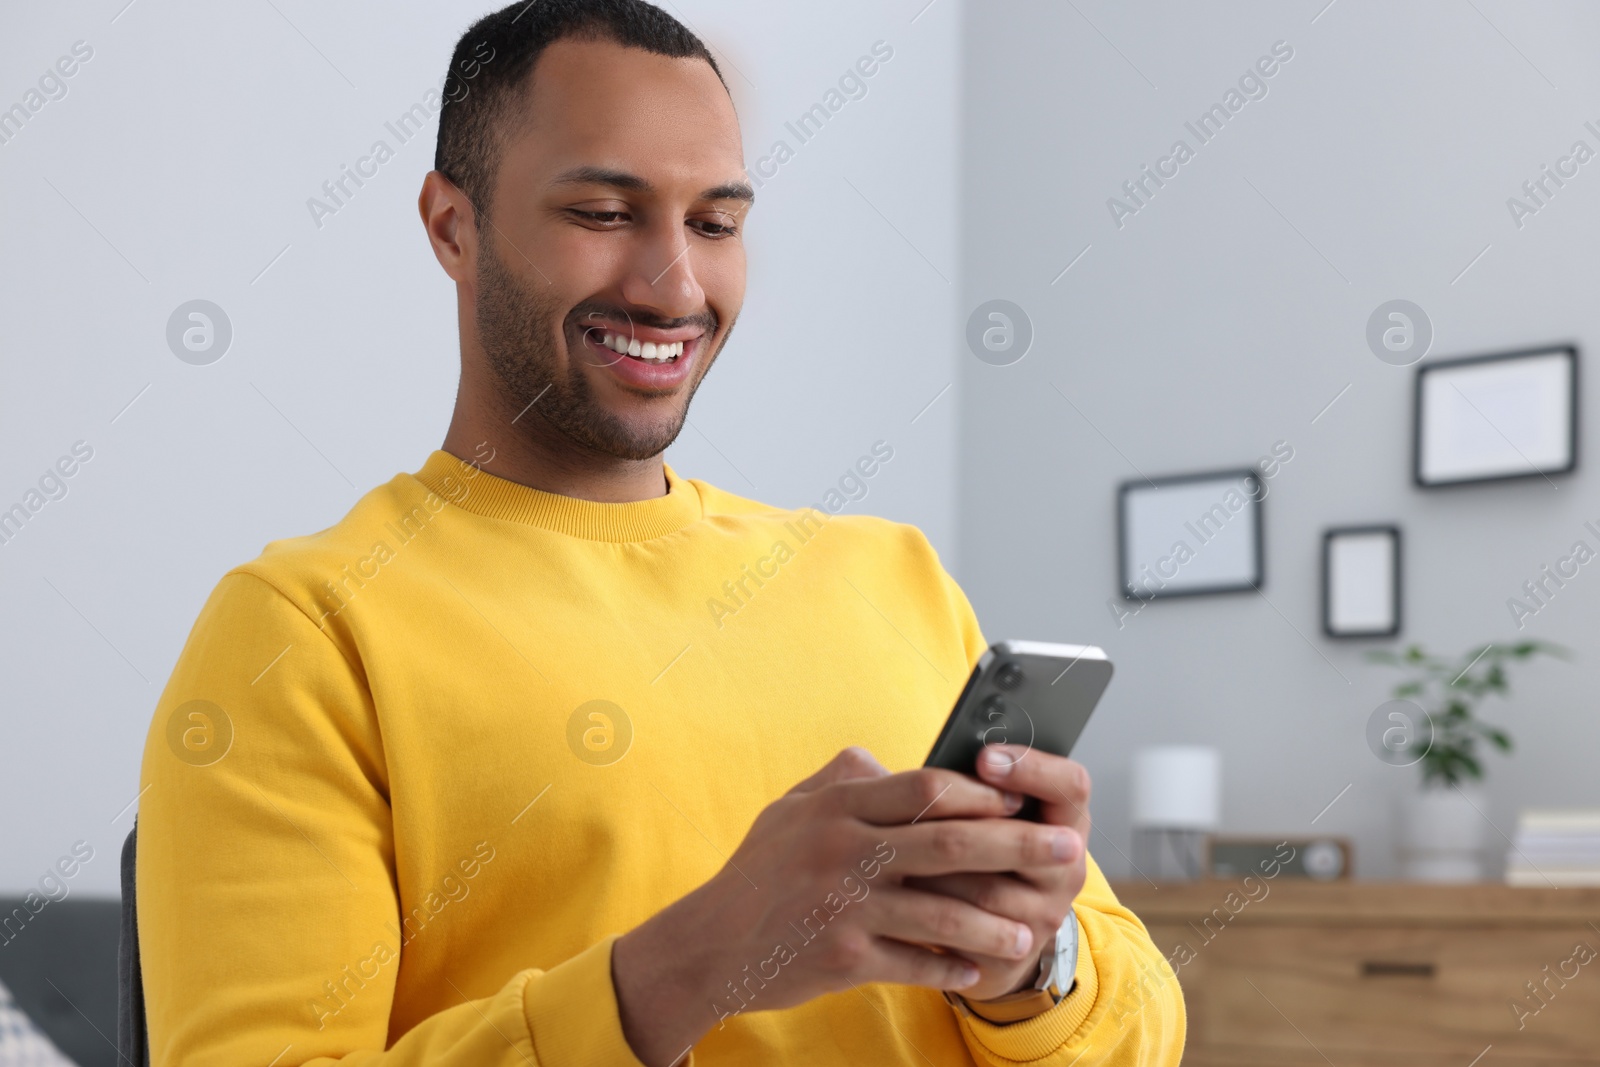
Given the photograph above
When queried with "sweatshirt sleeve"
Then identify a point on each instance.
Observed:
(266, 869)
(1126, 1009)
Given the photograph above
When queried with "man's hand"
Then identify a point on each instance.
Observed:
(1039, 896)
(823, 895)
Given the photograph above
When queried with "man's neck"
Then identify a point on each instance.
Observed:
(540, 457)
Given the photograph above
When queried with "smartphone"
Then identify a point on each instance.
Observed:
(1030, 693)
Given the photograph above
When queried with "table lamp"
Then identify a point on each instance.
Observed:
(1177, 803)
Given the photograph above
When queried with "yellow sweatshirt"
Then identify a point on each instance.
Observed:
(413, 774)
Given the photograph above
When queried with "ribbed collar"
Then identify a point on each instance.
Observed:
(476, 490)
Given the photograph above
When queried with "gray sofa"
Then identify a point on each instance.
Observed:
(61, 967)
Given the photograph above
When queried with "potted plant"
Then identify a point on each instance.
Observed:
(1443, 825)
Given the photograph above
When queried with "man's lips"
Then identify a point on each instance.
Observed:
(643, 333)
(635, 371)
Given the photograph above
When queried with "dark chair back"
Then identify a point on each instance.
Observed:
(133, 1044)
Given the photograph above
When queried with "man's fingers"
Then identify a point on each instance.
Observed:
(923, 795)
(948, 846)
(853, 762)
(933, 919)
(1061, 784)
(1003, 894)
(896, 961)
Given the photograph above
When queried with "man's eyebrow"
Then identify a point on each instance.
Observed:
(621, 179)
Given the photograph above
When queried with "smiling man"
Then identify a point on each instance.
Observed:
(471, 777)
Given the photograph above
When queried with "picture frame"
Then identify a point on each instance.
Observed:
(1216, 516)
(1496, 417)
(1361, 567)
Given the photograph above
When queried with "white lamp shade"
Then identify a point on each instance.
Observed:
(1177, 787)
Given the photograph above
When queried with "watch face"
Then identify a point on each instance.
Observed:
(1065, 962)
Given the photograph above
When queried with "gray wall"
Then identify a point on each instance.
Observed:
(1225, 315)
(178, 165)
(1216, 321)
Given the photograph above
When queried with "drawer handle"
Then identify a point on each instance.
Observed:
(1390, 969)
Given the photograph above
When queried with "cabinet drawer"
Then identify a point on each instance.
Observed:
(1402, 992)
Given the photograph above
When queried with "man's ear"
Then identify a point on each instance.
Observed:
(451, 224)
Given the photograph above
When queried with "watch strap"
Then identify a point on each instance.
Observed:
(1012, 1008)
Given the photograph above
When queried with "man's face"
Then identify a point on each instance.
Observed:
(616, 222)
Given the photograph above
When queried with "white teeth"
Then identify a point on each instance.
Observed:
(646, 350)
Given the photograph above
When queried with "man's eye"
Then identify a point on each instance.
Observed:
(714, 229)
(603, 217)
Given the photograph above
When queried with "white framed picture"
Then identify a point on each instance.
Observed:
(1361, 581)
(1496, 417)
(1190, 534)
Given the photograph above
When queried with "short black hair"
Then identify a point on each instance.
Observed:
(483, 86)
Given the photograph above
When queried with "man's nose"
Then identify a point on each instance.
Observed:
(663, 278)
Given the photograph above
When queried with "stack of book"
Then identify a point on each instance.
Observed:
(1555, 847)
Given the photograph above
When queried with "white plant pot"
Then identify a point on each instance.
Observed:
(1442, 834)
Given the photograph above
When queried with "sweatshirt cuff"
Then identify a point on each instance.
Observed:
(573, 1015)
(1038, 1037)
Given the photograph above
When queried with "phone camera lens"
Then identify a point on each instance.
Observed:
(1009, 676)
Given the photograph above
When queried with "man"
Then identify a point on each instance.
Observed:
(482, 775)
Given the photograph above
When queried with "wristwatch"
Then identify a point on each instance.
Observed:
(1057, 970)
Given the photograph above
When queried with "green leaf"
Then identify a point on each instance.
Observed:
(1447, 771)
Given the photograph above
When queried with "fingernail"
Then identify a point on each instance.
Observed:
(969, 976)
(998, 763)
(1024, 942)
(1064, 846)
(1013, 802)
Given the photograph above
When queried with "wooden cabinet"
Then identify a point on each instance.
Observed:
(1351, 973)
